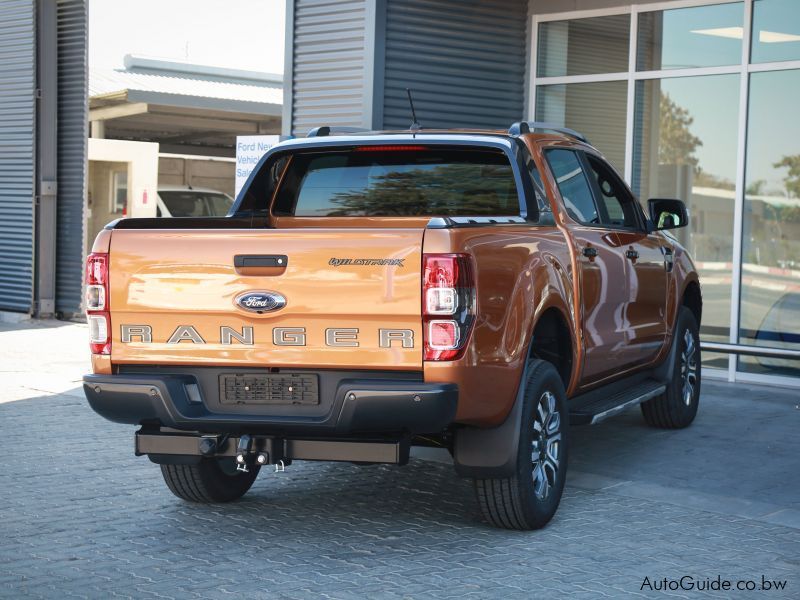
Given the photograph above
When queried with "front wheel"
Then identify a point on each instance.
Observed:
(209, 481)
(677, 406)
(529, 499)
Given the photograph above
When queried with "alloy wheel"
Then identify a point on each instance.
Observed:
(546, 445)
(689, 367)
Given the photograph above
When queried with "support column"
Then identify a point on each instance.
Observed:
(47, 160)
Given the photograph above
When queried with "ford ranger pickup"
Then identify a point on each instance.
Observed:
(479, 291)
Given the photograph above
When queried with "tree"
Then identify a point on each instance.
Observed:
(792, 179)
(677, 144)
(756, 188)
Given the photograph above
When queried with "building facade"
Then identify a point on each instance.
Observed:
(694, 99)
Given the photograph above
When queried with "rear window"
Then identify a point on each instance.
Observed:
(425, 181)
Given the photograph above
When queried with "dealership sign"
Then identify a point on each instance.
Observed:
(249, 150)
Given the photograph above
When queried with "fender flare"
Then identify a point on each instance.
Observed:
(489, 453)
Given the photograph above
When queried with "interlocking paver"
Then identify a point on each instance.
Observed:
(80, 516)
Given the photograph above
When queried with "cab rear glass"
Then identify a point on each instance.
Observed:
(379, 181)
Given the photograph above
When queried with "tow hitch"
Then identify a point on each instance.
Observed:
(243, 450)
(245, 454)
(175, 447)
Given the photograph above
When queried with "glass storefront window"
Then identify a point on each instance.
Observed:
(583, 46)
(682, 38)
(770, 300)
(595, 109)
(685, 147)
(687, 140)
(776, 31)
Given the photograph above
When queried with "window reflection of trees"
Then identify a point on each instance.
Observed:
(449, 189)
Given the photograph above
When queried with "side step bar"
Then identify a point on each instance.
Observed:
(596, 406)
(162, 445)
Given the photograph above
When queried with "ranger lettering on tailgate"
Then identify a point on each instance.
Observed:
(280, 336)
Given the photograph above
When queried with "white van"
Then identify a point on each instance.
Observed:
(185, 201)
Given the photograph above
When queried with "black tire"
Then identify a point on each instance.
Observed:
(677, 406)
(529, 499)
(210, 481)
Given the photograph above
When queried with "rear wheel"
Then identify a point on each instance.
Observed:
(529, 499)
(677, 406)
(209, 481)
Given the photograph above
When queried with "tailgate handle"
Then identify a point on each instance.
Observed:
(260, 260)
(260, 264)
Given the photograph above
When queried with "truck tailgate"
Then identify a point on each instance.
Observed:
(173, 293)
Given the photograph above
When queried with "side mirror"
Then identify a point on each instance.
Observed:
(667, 213)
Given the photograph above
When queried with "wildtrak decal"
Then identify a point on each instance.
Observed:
(366, 262)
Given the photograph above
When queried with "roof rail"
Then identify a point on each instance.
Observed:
(326, 130)
(521, 127)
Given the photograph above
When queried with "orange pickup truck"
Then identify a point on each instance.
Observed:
(480, 291)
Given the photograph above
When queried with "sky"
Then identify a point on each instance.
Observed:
(240, 34)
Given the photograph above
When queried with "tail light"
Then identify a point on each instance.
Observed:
(97, 309)
(448, 304)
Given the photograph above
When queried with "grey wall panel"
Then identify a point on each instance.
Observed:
(17, 125)
(72, 146)
(328, 64)
(464, 61)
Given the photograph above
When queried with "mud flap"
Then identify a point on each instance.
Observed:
(663, 372)
(491, 453)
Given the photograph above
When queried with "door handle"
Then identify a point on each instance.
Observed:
(590, 252)
(632, 254)
(668, 259)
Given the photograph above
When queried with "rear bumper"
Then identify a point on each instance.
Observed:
(354, 406)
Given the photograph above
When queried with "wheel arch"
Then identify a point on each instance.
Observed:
(693, 299)
(552, 340)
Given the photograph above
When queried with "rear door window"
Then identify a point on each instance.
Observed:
(398, 181)
(573, 185)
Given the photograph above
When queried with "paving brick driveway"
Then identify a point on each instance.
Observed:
(81, 516)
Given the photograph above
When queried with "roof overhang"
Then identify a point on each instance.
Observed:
(183, 123)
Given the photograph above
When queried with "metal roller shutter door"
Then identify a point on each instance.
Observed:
(328, 64)
(72, 144)
(17, 147)
(463, 59)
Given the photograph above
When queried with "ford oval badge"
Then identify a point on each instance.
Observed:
(261, 302)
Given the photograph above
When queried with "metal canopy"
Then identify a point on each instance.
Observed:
(184, 107)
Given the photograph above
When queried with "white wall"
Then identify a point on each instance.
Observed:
(142, 160)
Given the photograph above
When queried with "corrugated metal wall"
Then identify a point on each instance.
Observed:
(72, 134)
(17, 126)
(328, 64)
(464, 61)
